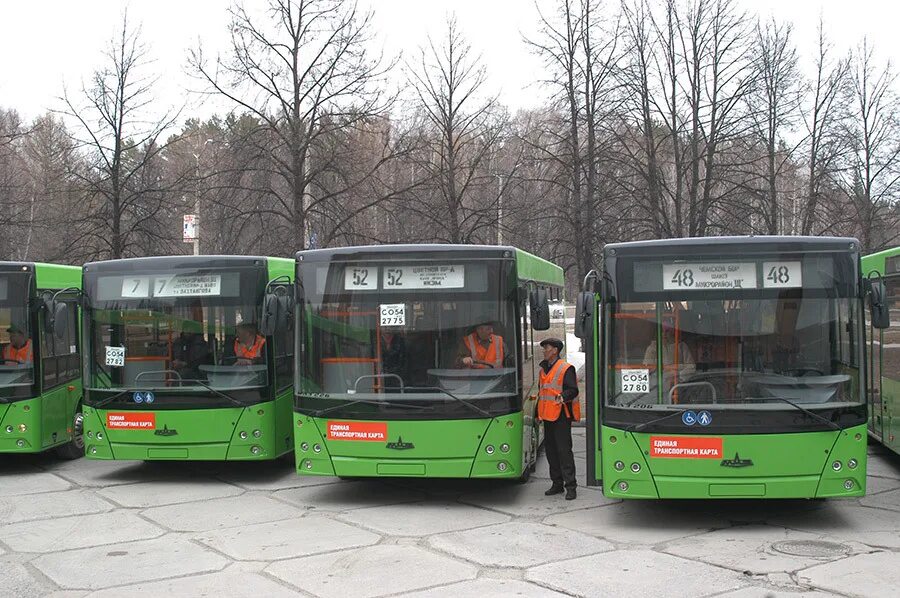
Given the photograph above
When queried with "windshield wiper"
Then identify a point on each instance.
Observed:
(452, 396)
(322, 412)
(218, 392)
(804, 410)
(112, 398)
(636, 427)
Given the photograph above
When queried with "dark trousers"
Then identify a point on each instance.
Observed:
(558, 445)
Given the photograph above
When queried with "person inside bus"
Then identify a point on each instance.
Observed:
(18, 351)
(394, 358)
(482, 349)
(189, 352)
(685, 359)
(250, 345)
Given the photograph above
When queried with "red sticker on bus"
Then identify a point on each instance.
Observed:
(368, 431)
(131, 421)
(686, 447)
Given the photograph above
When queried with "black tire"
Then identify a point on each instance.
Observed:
(74, 449)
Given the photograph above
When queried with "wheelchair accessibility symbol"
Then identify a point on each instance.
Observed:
(689, 418)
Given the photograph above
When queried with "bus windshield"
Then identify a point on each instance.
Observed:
(178, 332)
(16, 338)
(408, 340)
(739, 342)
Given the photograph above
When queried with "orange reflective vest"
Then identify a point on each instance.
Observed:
(551, 386)
(22, 355)
(492, 355)
(254, 351)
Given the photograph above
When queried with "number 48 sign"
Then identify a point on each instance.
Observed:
(782, 275)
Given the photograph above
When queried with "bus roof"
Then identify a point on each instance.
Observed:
(165, 262)
(878, 262)
(49, 276)
(717, 244)
(530, 267)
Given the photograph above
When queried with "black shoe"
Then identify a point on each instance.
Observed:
(571, 494)
(554, 489)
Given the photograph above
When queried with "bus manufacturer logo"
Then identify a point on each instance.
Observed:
(737, 462)
(400, 445)
(166, 431)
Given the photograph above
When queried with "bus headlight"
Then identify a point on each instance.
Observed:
(307, 464)
(489, 449)
(243, 435)
(9, 429)
(836, 466)
(852, 463)
(619, 466)
(848, 484)
(23, 428)
(90, 433)
(504, 448)
(257, 433)
(501, 466)
(304, 446)
(99, 435)
(20, 443)
(623, 486)
(255, 450)
(93, 450)
(317, 448)
(636, 467)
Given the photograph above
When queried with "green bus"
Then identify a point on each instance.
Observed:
(728, 367)
(40, 366)
(387, 385)
(188, 357)
(884, 355)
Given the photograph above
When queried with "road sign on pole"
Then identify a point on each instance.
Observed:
(191, 228)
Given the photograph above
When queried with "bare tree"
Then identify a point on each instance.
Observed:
(117, 129)
(306, 73)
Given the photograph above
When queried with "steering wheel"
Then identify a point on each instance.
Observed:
(490, 365)
(229, 359)
(5, 360)
(801, 372)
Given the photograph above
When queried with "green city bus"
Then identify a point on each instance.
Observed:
(884, 356)
(382, 384)
(728, 367)
(40, 367)
(167, 374)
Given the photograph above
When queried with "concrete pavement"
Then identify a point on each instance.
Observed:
(91, 528)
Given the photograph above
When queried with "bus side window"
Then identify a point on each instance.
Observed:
(284, 357)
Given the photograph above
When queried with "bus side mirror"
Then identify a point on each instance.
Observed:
(58, 320)
(881, 315)
(584, 311)
(286, 312)
(272, 314)
(540, 309)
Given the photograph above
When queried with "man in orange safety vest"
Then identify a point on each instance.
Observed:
(558, 408)
(18, 351)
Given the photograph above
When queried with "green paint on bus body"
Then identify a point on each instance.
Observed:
(748, 466)
(531, 267)
(467, 448)
(258, 432)
(45, 421)
(884, 423)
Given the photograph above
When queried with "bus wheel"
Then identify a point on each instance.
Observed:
(75, 447)
(528, 468)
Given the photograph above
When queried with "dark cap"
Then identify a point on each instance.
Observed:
(553, 342)
(484, 320)
(14, 328)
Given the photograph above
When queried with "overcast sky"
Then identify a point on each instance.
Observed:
(47, 44)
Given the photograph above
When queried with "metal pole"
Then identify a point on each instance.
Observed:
(499, 209)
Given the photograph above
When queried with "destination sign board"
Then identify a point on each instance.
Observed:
(709, 276)
(432, 276)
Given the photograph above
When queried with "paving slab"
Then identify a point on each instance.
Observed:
(630, 573)
(873, 574)
(66, 533)
(162, 492)
(883, 466)
(517, 544)
(22, 483)
(875, 485)
(100, 474)
(529, 500)
(640, 522)
(542, 470)
(755, 592)
(102, 567)
(847, 521)
(423, 518)
(761, 549)
(886, 500)
(344, 496)
(230, 583)
(16, 580)
(303, 536)
(269, 475)
(49, 505)
(495, 588)
(220, 513)
(373, 571)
